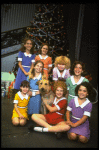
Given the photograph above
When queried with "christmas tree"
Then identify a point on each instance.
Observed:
(47, 26)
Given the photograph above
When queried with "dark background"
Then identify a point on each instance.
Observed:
(89, 39)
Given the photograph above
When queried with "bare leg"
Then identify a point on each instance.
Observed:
(60, 127)
(15, 121)
(22, 122)
(40, 119)
(83, 139)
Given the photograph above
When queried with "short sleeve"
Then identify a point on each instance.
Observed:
(62, 104)
(55, 77)
(20, 56)
(88, 109)
(70, 105)
(68, 73)
(85, 80)
(33, 59)
(15, 101)
(36, 58)
(50, 62)
(67, 83)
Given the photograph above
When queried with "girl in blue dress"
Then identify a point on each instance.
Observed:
(35, 100)
(25, 62)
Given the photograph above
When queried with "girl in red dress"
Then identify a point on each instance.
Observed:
(56, 113)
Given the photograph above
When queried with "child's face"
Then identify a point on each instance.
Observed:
(28, 45)
(61, 67)
(82, 92)
(38, 67)
(24, 90)
(44, 49)
(59, 92)
(78, 70)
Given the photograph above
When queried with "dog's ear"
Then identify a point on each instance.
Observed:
(37, 83)
(44, 77)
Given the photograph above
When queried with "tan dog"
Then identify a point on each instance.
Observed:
(46, 94)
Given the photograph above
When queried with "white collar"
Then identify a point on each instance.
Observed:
(73, 81)
(55, 102)
(63, 74)
(21, 96)
(44, 57)
(38, 78)
(27, 54)
(82, 105)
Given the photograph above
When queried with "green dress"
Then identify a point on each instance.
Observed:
(71, 85)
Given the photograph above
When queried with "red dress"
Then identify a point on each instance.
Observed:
(58, 116)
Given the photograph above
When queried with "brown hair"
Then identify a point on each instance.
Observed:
(22, 49)
(32, 72)
(73, 66)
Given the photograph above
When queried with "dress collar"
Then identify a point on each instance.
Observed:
(55, 102)
(38, 78)
(44, 57)
(21, 96)
(63, 74)
(27, 54)
(82, 105)
(73, 81)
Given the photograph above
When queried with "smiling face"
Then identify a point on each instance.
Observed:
(59, 92)
(78, 70)
(38, 67)
(28, 45)
(82, 92)
(24, 89)
(61, 67)
(44, 50)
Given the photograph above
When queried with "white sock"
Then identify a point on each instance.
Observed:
(45, 129)
(39, 129)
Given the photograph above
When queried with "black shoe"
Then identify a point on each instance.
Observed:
(58, 135)
(31, 128)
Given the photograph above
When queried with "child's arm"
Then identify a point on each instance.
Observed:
(51, 109)
(81, 121)
(21, 67)
(20, 115)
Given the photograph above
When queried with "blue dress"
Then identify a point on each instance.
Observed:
(26, 60)
(35, 101)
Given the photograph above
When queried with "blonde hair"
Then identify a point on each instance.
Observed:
(62, 60)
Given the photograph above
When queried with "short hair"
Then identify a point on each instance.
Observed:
(61, 84)
(25, 84)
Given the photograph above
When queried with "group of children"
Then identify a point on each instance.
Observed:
(71, 94)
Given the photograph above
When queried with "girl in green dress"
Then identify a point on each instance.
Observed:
(75, 79)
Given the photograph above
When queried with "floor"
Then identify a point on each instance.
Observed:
(20, 137)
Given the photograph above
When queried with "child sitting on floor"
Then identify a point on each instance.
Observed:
(21, 100)
(56, 113)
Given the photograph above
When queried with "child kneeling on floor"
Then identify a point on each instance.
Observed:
(56, 113)
(21, 100)
(81, 108)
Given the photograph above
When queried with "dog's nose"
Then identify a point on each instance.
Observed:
(42, 89)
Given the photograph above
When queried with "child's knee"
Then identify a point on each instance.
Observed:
(33, 116)
(83, 139)
(15, 121)
(22, 122)
(72, 136)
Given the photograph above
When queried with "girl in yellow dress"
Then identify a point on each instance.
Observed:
(21, 100)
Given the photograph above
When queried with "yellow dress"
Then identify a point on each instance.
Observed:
(22, 103)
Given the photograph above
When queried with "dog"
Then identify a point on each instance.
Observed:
(46, 94)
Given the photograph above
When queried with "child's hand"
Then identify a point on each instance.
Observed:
(71, 124)
(21, 116)
(38, 92)
(27, 73)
